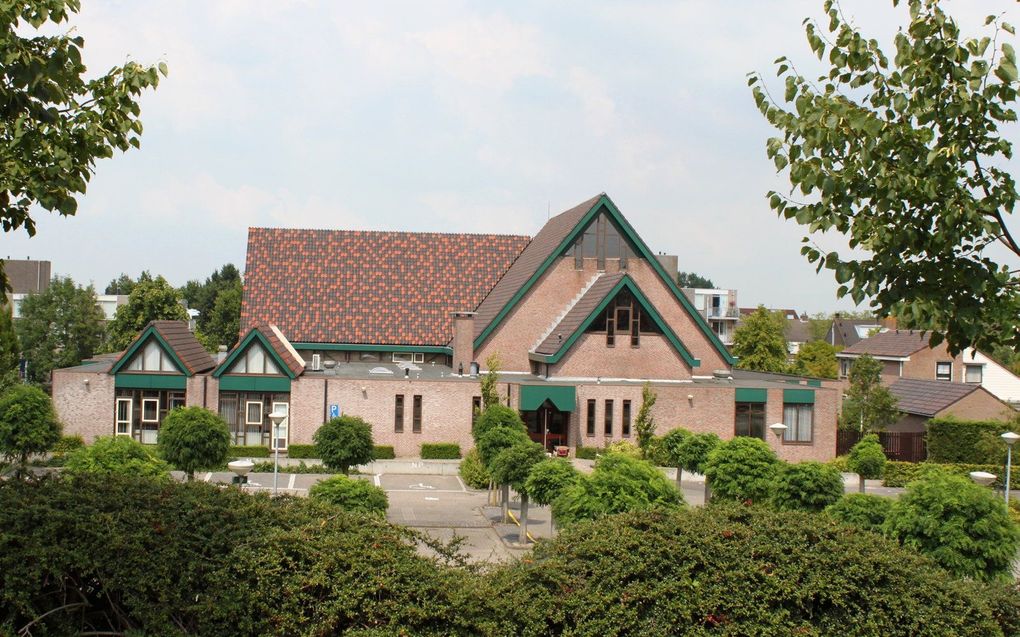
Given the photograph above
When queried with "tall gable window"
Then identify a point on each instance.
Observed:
(255, 361)
(601, 241)
(152, 358)
(624, 319)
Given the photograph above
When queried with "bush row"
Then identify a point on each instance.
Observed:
(197, 559)
(440, 451)
(899, 474)
(966, 441)
(250, 451)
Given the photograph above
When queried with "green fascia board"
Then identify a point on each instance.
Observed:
(146, 334)
(814, 383)
(625, 282)
(642, 250)
(150, 381)
(361, 347)
(799, 396)
(750, 395)
(254, 335)
(255, 383)
(793, 381)
(564, 397)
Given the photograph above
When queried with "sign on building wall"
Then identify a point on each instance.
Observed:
(334, 411)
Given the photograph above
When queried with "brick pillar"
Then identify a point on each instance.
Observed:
(463, 341)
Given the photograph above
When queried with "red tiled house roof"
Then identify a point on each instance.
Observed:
(181, 341)
(894, 343)
(393, 288)
(928, 397)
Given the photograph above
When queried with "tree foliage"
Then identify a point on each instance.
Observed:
(644, 424)
(960, 525)
(490, 392)
(548, 479)
(54, 122)
(344, 442)
(154, 300)
(816, 358)
(193, 438)
(351, 494)
(867, 459)
(693, 451)
(905, 157)
(472, 472)
(759, 342)
(743, 468)
(807, 486)
(116, 456)
(124, 284)
(495, 440)
(869, 405)
(496, 416)
(862, 510)
(618, 484)
(218, 301)
(694, 280)
(513, 464)
(59, 327)
(10, 349)
(28, 424)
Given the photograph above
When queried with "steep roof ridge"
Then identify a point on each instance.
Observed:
(570, 306)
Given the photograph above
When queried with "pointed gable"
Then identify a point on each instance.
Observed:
(165, 347)
(263, 351)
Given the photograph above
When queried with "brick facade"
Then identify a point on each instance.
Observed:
(590, 357)
(84, 409)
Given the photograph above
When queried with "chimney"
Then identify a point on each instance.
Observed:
(463, 339)
(671, 263)
(221, 354)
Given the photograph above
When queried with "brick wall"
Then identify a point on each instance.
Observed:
(201, 392)
(86, 410)
(922, 364)
(590, 357)
(978, 405)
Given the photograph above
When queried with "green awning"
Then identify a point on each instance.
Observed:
(150, 381)
(562, 397)
(801, 396)
(750, 395)
(255, 383)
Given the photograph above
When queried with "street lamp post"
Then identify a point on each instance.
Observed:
(276, 418)
(1010, 439)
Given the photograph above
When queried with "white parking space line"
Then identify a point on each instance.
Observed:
(207, 477)
(420, 491)
(463, 487)
(293, 476)
(376, 480)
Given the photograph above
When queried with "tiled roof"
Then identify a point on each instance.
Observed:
(281, 346)
(183, 342)
(394, 288)
(897, 343)
(798, 331)
(545, 242)
(928, 397)
(846, 332)
(578, 313)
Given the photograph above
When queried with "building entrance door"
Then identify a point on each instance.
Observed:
(547, 425)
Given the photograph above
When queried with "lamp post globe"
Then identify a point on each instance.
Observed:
(1010, 439)
(982, 478)
(779, 429)
(276, 418)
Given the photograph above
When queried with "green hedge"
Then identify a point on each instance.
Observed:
(69, 443)
(899, 474)
(966, 441)
(253, 451)
(383, 452)
(440, 451)
(587, 453)
(302, 451)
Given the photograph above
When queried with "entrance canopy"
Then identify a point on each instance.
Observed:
(562, 397)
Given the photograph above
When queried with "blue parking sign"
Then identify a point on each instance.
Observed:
(334, 411)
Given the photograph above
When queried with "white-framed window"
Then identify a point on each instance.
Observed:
(279, 434)
(408, 357)
(973, 374)
(152, 358)
(255, 361)
(944, 370)
(125, 409)
(799, 421)
(844, 367)
(253, 413)
(150, 410)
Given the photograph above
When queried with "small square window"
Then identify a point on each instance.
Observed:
(150, 410)
(944, 371)
(253, 413)
(973, 374)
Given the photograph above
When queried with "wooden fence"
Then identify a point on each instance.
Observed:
(905, 446)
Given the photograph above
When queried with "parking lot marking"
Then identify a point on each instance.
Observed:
(463, 487)
(375, 479)
(293, 477)
(421, 485)
(419, 491)
(432, 499)
(207, 477)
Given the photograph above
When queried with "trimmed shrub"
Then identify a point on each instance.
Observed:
(28, 424)
(587, 453)
(962, 526)
(730, 570)
(497, 439)
(193, 438)
(807, 486)
(900, 474)
(303, 452)
(496, 416)
(344, 442)
(655, 452)
(867, 459)
(351, 494)
(251, 451)
(472, 472)
(267, 467)
(966, 441)
(840, 463)
(550, 478)
(383, 452)
(693, 451)
(618, 483)
(116, 456)
(669, 446)
(743, 468)
(862, 510)
(67, 444)
(440, 451)
(624, 447)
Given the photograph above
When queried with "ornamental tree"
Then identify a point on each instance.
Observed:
(512, 467)
(193, 438)
(807, 486)
(644, 424)
(743, 468)
(759, 342)
(496, 416)
(351, 494)
(489, 445)
(670, 445)
(869, 405)
(867, 459)
(692, 456)
(549, 479)
(344, 442)
(962, 526)
(28, 424)
(54, 122)
(905, 156)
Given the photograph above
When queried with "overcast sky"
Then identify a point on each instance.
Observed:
(449, 117)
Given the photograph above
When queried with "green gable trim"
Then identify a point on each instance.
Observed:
(793, 381)
(141, 340)
(150, 381)
(254, 335)
(642, 251)
(801, 396)
(562, 396)
(351, 347)
(255, 383)
(751, 395)
(814, 383)
(625, 282)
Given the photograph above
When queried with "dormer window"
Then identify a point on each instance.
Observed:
(600, 241)
(152, 358)
(624, 318)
